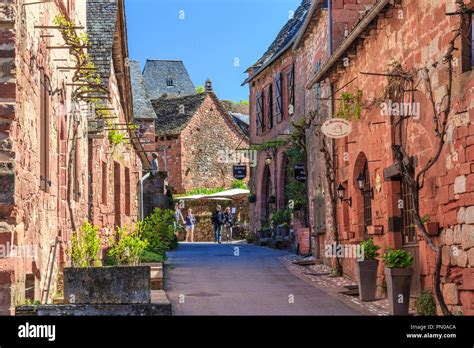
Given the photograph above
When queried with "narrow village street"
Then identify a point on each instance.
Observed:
(208, 279)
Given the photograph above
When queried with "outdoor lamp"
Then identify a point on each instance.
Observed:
(268, 160)
(341, 193)
(361, 184)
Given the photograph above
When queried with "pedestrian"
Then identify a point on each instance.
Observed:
(229, 223)
(177, 217)
(189, 225)
(217, 222)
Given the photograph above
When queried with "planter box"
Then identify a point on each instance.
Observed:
(398, 289)
(367, 275)
(375, 230)
(283, 230)
(432, 228)
(107, 285)
(156, 275)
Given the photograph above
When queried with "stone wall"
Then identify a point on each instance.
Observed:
(203, 231)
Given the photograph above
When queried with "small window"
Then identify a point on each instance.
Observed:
(44, 132)
(105, 180)
(127, 191)
(169, 82)
(467, 44)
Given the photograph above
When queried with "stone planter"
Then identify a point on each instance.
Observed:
(398, 289)
(107, 285)
(367, 272)
(283, 230)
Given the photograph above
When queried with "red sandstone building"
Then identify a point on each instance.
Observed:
(58, 164)
(383, 36)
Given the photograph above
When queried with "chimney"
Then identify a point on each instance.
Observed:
(208, 87)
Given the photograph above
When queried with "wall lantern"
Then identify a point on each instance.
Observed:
(341, 193)
(361, 185)
(268, 160)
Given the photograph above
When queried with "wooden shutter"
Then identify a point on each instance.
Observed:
(291, 91)
(278, 98)
(270, 107)
(319, 207)
(259, 112)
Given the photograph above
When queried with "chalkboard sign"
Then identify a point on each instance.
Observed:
(300, 172)
(240, 171)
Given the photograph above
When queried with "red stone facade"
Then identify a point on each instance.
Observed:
(415, 34)
(50, 184)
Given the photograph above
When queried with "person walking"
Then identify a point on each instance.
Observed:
(217, 222)
(177, 217)
(190, 222)
(229, 223)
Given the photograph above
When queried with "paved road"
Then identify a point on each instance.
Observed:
(208, 279)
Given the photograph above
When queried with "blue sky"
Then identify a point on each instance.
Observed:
(211, 36)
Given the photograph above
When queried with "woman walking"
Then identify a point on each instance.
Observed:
(229, 223)
(189, 225)
(217, 222)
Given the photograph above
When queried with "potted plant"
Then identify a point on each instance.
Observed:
(367, 270)
(398, 274)
(431, 227)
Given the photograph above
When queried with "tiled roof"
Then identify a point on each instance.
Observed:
(142, 107)
(157, 72)
(172, 115)
(286, 36)
(101, 24)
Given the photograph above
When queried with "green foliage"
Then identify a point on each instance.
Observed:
(397, 258)
(269, 145)
(425, 304)
(151, 257)
(85, 246)
(200, 89)
(116, 138)
(369, 249)
(425, 219)
(126, 248)
(244, 102)
(203, 191)
(238, 184)
(281, 217)
(350, 106)
(158, 230)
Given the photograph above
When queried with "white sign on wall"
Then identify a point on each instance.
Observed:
(336, 128)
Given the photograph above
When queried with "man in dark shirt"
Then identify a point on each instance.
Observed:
(217, 222)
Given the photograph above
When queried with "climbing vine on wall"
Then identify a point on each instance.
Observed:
(350, 106)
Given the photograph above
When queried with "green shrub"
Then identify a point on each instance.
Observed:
(238, 184)
(425, 304)
(281, 217)
(397, 258)
(369, 249)
(158, 230)
(85, 246)
(126, 248)
(151, 257)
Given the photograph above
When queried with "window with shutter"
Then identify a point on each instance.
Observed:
(259, 113)
(44, 132)
(270, 107)
(278, 98)
(291, 91)
(318, 89)
(319, 210)
(76, 171)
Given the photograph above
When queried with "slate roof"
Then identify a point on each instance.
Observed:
(285, 37)
(101, 23)
(242, 122)
(156, 73)
(169, 119)
(142, 107)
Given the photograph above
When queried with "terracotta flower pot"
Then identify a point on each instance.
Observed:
(367, 272)
(398, 289)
